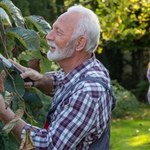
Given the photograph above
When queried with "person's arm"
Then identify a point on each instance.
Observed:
(6, 115)
(45, 84)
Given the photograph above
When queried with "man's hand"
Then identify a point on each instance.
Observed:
(33, 75)
(43, 82)
(28, 73)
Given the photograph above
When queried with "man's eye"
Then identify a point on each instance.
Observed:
(58, 33)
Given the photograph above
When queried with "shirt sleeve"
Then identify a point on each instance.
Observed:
(73, 120)
(57, 77)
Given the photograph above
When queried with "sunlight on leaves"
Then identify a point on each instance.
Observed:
(4, 18)
(13, 11)
(99, 50)
(8, 98)
(28, 38)
(139, 140)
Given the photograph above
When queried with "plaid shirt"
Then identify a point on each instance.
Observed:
(83, 113)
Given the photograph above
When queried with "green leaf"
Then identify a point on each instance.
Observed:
(14, 82)
(29, 38)
(37, 105)
(13, 11)
(28, 55)
(44, 46)
(41, 25)
(7, 140)
(4, 18)
(45, 65)
(33, 100)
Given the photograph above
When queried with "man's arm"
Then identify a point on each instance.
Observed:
(7, 115)
(45, 84)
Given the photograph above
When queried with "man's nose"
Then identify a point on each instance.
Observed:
(50, 35)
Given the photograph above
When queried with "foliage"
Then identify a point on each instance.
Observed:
(125, 101)
(7, 142)
(141, 90)
(125, 34)
(24, 6)
(22, 39)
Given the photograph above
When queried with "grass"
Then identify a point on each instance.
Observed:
(132, 132)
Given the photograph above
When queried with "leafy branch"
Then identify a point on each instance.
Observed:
(12, 26)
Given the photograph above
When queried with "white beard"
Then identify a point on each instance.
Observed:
(60, 54)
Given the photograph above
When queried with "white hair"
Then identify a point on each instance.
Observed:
(88, 25)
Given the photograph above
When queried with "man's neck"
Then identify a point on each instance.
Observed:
(70, 63)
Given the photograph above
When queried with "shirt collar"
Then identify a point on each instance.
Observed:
(78, 72)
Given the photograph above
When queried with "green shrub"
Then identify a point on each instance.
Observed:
(141, 90)
(125, 101)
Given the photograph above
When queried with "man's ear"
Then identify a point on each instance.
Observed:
(80, 43)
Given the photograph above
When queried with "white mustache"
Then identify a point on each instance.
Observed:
(51, 44)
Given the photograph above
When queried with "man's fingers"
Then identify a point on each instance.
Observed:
(28, 73)
(32, 74)
(29, 84)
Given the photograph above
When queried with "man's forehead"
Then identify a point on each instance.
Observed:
(68, 19)
(71, 17)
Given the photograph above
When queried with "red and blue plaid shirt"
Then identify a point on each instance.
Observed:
(82, 115)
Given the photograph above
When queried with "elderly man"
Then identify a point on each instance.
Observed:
(82, 99)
